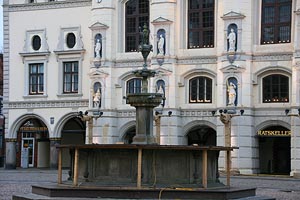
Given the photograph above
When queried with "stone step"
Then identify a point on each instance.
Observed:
(31, 196)
(256, 198)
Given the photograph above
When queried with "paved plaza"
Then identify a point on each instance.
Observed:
(19, 182)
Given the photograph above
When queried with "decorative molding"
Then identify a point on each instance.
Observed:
(47, 104)
(26, 56)
(233, 15)
(49, 5)
(98, 73)
(161, 20)
(162, 71)
(270, 69)
(196, 113)
(273, 57)
(98, 26)
(198, 60)
(126, 114)
(233, 68)
(129, 63)
(68, 52)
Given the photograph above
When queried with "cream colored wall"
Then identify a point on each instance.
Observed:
(39, 19)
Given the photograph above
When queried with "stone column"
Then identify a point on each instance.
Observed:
(226, 120)
(157, 120)
(54, 142)
(11, 153)
(144, 126)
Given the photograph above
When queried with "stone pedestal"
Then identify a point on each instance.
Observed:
(144, 103)
(10, 162)
(54, 142)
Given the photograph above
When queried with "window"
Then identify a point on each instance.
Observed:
(136, 15)
(71, 40)
(275, 89)
(36, 42)
(201, 24)
(276, 21)
(134, 86)
(70, 78)
(36, 79)
(200, 90)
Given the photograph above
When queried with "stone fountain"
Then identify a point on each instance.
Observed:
(144, 169)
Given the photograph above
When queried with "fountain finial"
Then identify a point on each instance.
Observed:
(145, 47)
(145, 33)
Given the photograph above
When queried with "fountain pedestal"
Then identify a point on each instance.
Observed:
(144, 104)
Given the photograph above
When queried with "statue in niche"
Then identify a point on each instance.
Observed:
(98, 47)
(231, 40)
(97, 99)
(160, 89)
(231, 90)
(160, 45)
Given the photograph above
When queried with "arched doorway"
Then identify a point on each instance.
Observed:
(128, 136)
(33, 145)
(275, 150)
(73, 132)
(202, 136)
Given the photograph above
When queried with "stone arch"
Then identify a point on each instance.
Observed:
(61, 122)
(125, 128)
(268, 123)
(20, 120)
(270, 70)
(200, 132)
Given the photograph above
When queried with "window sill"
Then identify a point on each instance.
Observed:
(35, 96)
(70, 95)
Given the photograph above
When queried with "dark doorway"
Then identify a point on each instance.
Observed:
(275, 150)
(128, 138)
(73, 132)
(202, 136)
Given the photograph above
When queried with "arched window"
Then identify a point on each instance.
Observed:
(136, 15)
(201, 23)
(276, 21)
(275, 89)
(200, 90)
(134, 86)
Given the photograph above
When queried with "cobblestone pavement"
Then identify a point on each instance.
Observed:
(19, 181)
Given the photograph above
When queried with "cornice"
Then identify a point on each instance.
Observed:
(49, 5)
(273, 57)
(198, 60)
(48, 104)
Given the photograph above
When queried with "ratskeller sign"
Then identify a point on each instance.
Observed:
(274, 133)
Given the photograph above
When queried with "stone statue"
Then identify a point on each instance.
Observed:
(232, 40)
(231, 89)
(97, 99)
(160, 45)
(98, 47)
(145, 33)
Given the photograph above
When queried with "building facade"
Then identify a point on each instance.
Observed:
(211, 56)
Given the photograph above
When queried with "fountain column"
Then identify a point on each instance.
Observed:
(144, 102)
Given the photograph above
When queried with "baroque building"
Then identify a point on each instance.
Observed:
(236, 57)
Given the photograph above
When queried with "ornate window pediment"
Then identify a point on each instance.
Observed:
(233, 15)
(161, 20)
(35, 44)
(70, 41)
